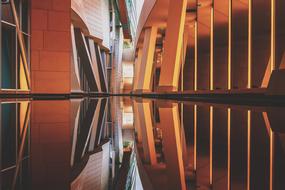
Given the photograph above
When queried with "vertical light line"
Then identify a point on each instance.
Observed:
(211, 145)
(230, 46)
(195, 138)
(229, 148)
(212, 49)
(182, 63)
(271, 159)
(249, 42)
(248, 147)
(273, 31)
(196, 56)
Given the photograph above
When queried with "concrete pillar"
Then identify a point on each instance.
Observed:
(170, 125)
(146, 66)
(170, 69)
(146, 127)
(137, 69)
(137, 121)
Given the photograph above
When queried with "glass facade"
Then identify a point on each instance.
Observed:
(13, 75)
(15, 141)
(91, 62)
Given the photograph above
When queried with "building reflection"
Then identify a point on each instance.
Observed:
(62, 144)
(15, 141)
(197, 145)
(103, 143)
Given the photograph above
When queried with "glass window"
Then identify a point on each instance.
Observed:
(8, 57)
(21, 79)
(25, 16)
(7, 14)
(8, 124)
(12, 69)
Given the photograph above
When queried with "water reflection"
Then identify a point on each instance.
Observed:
(123, 143)
(204, 146)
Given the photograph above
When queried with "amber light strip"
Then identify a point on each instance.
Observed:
(21, 43)
(212, 50)
(195, 138)
(229, 148)
(273, 31)
(249, 42)
(248, 147)
(271, 158)
(196, 56)
(211, 144)
(230, 46)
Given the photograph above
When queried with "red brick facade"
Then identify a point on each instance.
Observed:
(50, 46)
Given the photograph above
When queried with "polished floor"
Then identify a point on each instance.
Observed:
(135, 143)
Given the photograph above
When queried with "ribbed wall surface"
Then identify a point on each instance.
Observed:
(95, 14)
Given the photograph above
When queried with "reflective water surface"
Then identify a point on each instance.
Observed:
(123, 143)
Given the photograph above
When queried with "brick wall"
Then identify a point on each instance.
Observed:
(50, 145)
(50, 46)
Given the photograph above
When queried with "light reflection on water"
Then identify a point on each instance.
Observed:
(80, 143)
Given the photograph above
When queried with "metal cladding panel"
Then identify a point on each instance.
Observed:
(95, 14)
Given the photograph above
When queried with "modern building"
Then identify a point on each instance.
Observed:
(142, 94)
(210, 47)
(64, 47)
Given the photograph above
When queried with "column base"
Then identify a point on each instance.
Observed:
(165, 89)
(141, 91)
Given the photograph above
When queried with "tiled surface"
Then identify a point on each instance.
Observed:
(50, 46)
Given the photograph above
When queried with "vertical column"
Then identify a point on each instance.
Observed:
(146, 68)
(249, 63)
(212, 48)
(277, 48)
(50, 46)
(196, 55)
(137, 69)
(170, 69)
(261, 46)
(273, 32)
(183, 56)
(188, 70)
(137, 121)
(170, 124)
(230, 45)
(146, 127)
(204, 48)
(229, 148)
(221, 45)
(248, 149)
(240, 44)
(279, 34)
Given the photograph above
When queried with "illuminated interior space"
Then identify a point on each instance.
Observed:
(142, 94)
